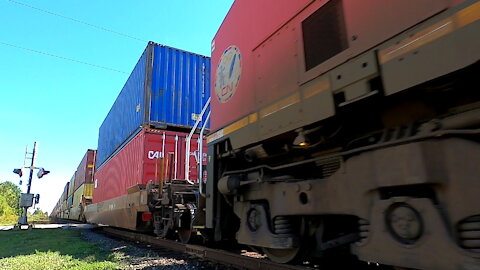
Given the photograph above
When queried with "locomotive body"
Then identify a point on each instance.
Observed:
(347, 127)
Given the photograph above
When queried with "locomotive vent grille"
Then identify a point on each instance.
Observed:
(364, 231)
(324, 34)
(329, 166)
(469, 233)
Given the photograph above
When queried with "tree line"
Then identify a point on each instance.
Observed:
(9, 198)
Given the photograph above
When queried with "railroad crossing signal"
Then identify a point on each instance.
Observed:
(41, 172)
(27, 199)
(18, 171)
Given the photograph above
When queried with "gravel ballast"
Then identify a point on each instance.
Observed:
(138, 256)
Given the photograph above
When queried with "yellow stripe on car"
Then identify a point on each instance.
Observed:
(280, 105)
(233, 127)
(462, 18)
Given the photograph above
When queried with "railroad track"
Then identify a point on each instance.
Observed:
(214, 255)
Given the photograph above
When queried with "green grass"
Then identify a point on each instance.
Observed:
(52, 249)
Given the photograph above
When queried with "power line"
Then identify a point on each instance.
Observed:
(78, 21)
(62, 57)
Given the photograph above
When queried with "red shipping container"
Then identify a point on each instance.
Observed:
(142, 159)
(85, 169)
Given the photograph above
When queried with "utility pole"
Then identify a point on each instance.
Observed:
(27, 199)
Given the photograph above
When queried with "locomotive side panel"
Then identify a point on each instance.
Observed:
(276, 61)
(248, 23)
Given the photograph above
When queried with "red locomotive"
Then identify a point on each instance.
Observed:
(348, 127)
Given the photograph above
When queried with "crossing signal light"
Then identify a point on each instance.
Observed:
(42, 172)
(18, 171)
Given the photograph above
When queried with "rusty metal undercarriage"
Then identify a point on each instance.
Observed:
(167, 209)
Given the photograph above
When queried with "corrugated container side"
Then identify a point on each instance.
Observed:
(126, 114)
(77, 196)
(180, 86)
(71, 186)
(119, 171)
(85, 169)
(70, 201)
(65, 191)
(151, 155)
(167, 88)
(88, 191)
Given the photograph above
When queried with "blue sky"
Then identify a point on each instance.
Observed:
(60, 103)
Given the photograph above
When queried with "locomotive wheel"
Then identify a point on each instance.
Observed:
(282, 255)
(290, 255)
(184, 235)
(185, 231)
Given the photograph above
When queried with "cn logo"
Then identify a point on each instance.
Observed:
(155, 154)
(229, 71)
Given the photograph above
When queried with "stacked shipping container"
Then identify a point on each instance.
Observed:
(83, 185)
(145, 131)
(78, 191)
(60, 207)
(70, 192)
(143, 137)
(85, 169)
(63, 201)
(167, 89)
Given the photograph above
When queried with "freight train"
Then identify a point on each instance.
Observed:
(339, 129)
(78, 192)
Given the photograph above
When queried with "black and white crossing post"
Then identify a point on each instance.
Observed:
(27, 199)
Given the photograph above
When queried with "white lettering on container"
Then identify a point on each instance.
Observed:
(155, 154)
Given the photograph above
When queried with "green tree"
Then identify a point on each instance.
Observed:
(38, 216)
(9, 198)
(39, 212)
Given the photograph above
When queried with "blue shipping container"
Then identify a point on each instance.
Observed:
(167, 89)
